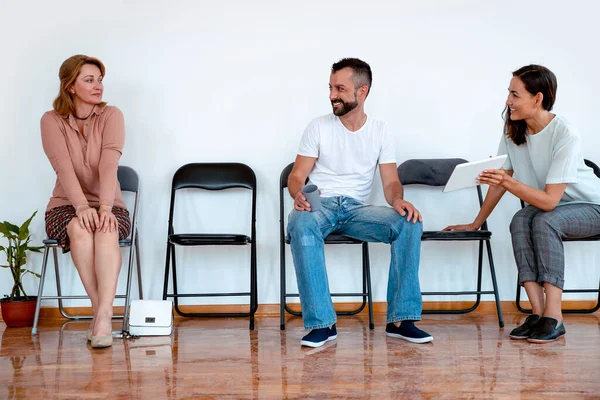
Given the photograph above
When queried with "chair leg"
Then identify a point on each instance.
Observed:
(569, 311)
(285, 307)
(479, 275)
(174, 272)
(583, 310)
(477, 292)
(139, 265)
(61, 307)
(598, 303)
(282, 285)
(40, 292)
(518, 300)
(58, 289)
(166, 280)
(367, 270)
(253, 284)
(496, 293)
(128, 287)
(597, 307)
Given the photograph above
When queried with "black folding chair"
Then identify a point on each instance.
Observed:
(129, 182)
(594, 238)
(212, 176)
(436, 172)
(331, 239)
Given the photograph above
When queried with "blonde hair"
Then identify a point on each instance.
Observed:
(69, 70)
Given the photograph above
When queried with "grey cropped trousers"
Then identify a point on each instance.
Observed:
(537, 239)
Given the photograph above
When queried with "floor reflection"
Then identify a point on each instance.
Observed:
(220, 358)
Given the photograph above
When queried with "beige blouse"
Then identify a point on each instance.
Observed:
(85, 162)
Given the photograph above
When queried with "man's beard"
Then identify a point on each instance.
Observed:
(346, 106)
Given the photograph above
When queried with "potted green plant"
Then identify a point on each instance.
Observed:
(18, 309)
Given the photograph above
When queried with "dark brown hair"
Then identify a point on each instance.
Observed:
(69, 70)
(537, 79)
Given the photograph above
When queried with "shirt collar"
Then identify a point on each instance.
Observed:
(97, 110)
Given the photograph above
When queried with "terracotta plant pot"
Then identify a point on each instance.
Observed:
(20, 312)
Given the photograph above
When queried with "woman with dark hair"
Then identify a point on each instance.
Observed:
(83, 139)
(562, 193)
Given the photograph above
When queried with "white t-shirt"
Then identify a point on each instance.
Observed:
(553, 156)
(346, 160)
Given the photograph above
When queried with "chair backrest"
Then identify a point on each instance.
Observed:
(130, 182)
(283, 178)
(214, 176)
(593, 166)
(430, 172)
(285, 174)
(283, 184)
(128, 179)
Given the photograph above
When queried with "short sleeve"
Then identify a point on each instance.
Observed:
(113, 139)
(503, 149)
(57, 151)
(113, 135)
(309, 144)
(565, 159)
(387, 155)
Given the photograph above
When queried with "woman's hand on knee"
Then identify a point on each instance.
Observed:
(108, 220)
(88, 218)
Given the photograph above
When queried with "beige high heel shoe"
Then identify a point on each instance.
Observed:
(101, 341)
(88, 335)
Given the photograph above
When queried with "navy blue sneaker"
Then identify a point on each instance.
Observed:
(318, 337)
(408, 331)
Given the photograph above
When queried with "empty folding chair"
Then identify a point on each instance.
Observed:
(213, 177)
(436, 172)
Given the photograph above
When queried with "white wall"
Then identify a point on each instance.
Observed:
(239, 81)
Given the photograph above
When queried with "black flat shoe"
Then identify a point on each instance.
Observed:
(547, 330)
(525, 330)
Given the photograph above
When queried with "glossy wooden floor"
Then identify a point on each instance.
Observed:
(219, 358)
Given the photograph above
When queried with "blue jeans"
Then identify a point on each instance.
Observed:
(345, 216)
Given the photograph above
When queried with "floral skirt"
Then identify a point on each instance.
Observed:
(58, 218)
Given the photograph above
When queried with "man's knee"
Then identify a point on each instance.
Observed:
(301, 221)
(400, 224)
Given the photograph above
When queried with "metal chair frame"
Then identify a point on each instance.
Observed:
(212, 176)
(331, 239)
(482, 235)
(595, 238)
(129, 182)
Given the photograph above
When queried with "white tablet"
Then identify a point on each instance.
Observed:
(464, 175)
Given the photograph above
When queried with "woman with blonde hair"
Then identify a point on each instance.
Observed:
(83, 139)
